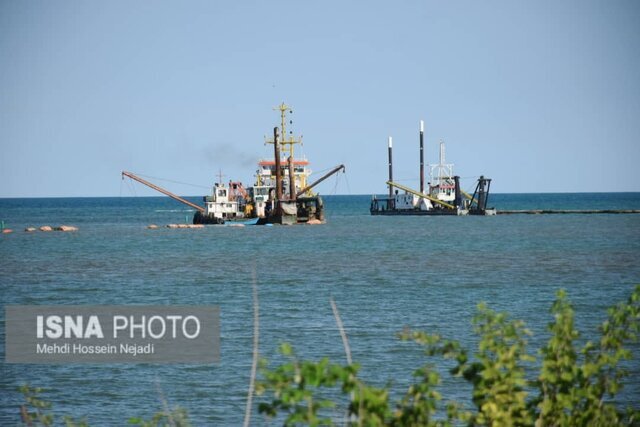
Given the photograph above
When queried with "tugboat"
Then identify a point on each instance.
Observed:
(281, 193)
(224, 204)
(443, 196)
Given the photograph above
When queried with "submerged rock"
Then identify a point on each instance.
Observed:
(46, 228)
(152, 226)
(66, 228)
(30, 229)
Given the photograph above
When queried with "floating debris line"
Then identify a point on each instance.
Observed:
(568, 211)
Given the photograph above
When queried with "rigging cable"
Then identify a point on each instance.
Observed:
(172, 181)
(346, 180)
(335, 186)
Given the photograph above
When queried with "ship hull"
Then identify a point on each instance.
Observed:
(200, 218)
(448, 212)
(394, 212)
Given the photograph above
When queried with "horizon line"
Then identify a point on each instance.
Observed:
(325, 195)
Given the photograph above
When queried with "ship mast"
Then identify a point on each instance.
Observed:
(441, 173)
(287, 142)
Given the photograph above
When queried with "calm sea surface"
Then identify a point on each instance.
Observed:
(383, 272)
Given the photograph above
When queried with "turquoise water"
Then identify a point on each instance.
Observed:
(383, 272)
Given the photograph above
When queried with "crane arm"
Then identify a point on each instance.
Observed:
(319, 180)
(162, 190)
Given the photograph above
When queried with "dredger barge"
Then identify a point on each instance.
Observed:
(281, 193)
(442, 197)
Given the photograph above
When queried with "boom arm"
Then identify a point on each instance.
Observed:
(319, 180)
(468, 196)
(424, 196)
(162, 190)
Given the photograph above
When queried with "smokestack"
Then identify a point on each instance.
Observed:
(390, 166)
(292, 180)
(421, 157)
(276, 145)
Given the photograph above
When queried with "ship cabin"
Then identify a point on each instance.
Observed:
(266, 174)
(444, 190)
(260, 194)
(220, 204)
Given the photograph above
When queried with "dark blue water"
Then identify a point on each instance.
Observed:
(384, 273)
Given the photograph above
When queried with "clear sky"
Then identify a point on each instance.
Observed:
(541, 96)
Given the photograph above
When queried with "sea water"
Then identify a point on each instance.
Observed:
(384, 273)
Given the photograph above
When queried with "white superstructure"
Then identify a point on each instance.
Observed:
(221, 205)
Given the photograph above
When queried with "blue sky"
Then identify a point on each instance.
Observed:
(541, 96)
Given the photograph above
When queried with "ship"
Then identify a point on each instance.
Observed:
(281, 193)
(441, 196)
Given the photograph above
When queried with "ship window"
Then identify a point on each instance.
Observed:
(222, 193)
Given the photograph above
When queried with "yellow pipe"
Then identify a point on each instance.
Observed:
(417, 193)
(465, 194)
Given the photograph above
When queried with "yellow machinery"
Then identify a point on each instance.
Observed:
(417, 193)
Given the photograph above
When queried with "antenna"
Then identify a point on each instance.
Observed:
(389, 201)
(220, 175)
(421, 157)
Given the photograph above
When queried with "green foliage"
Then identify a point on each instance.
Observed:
(573, 390)
(573, 387)
(369, 405)
(497, 374)
(175, 418)
(560, 373)
(419, 404)
(295, 383)
(35, 411)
